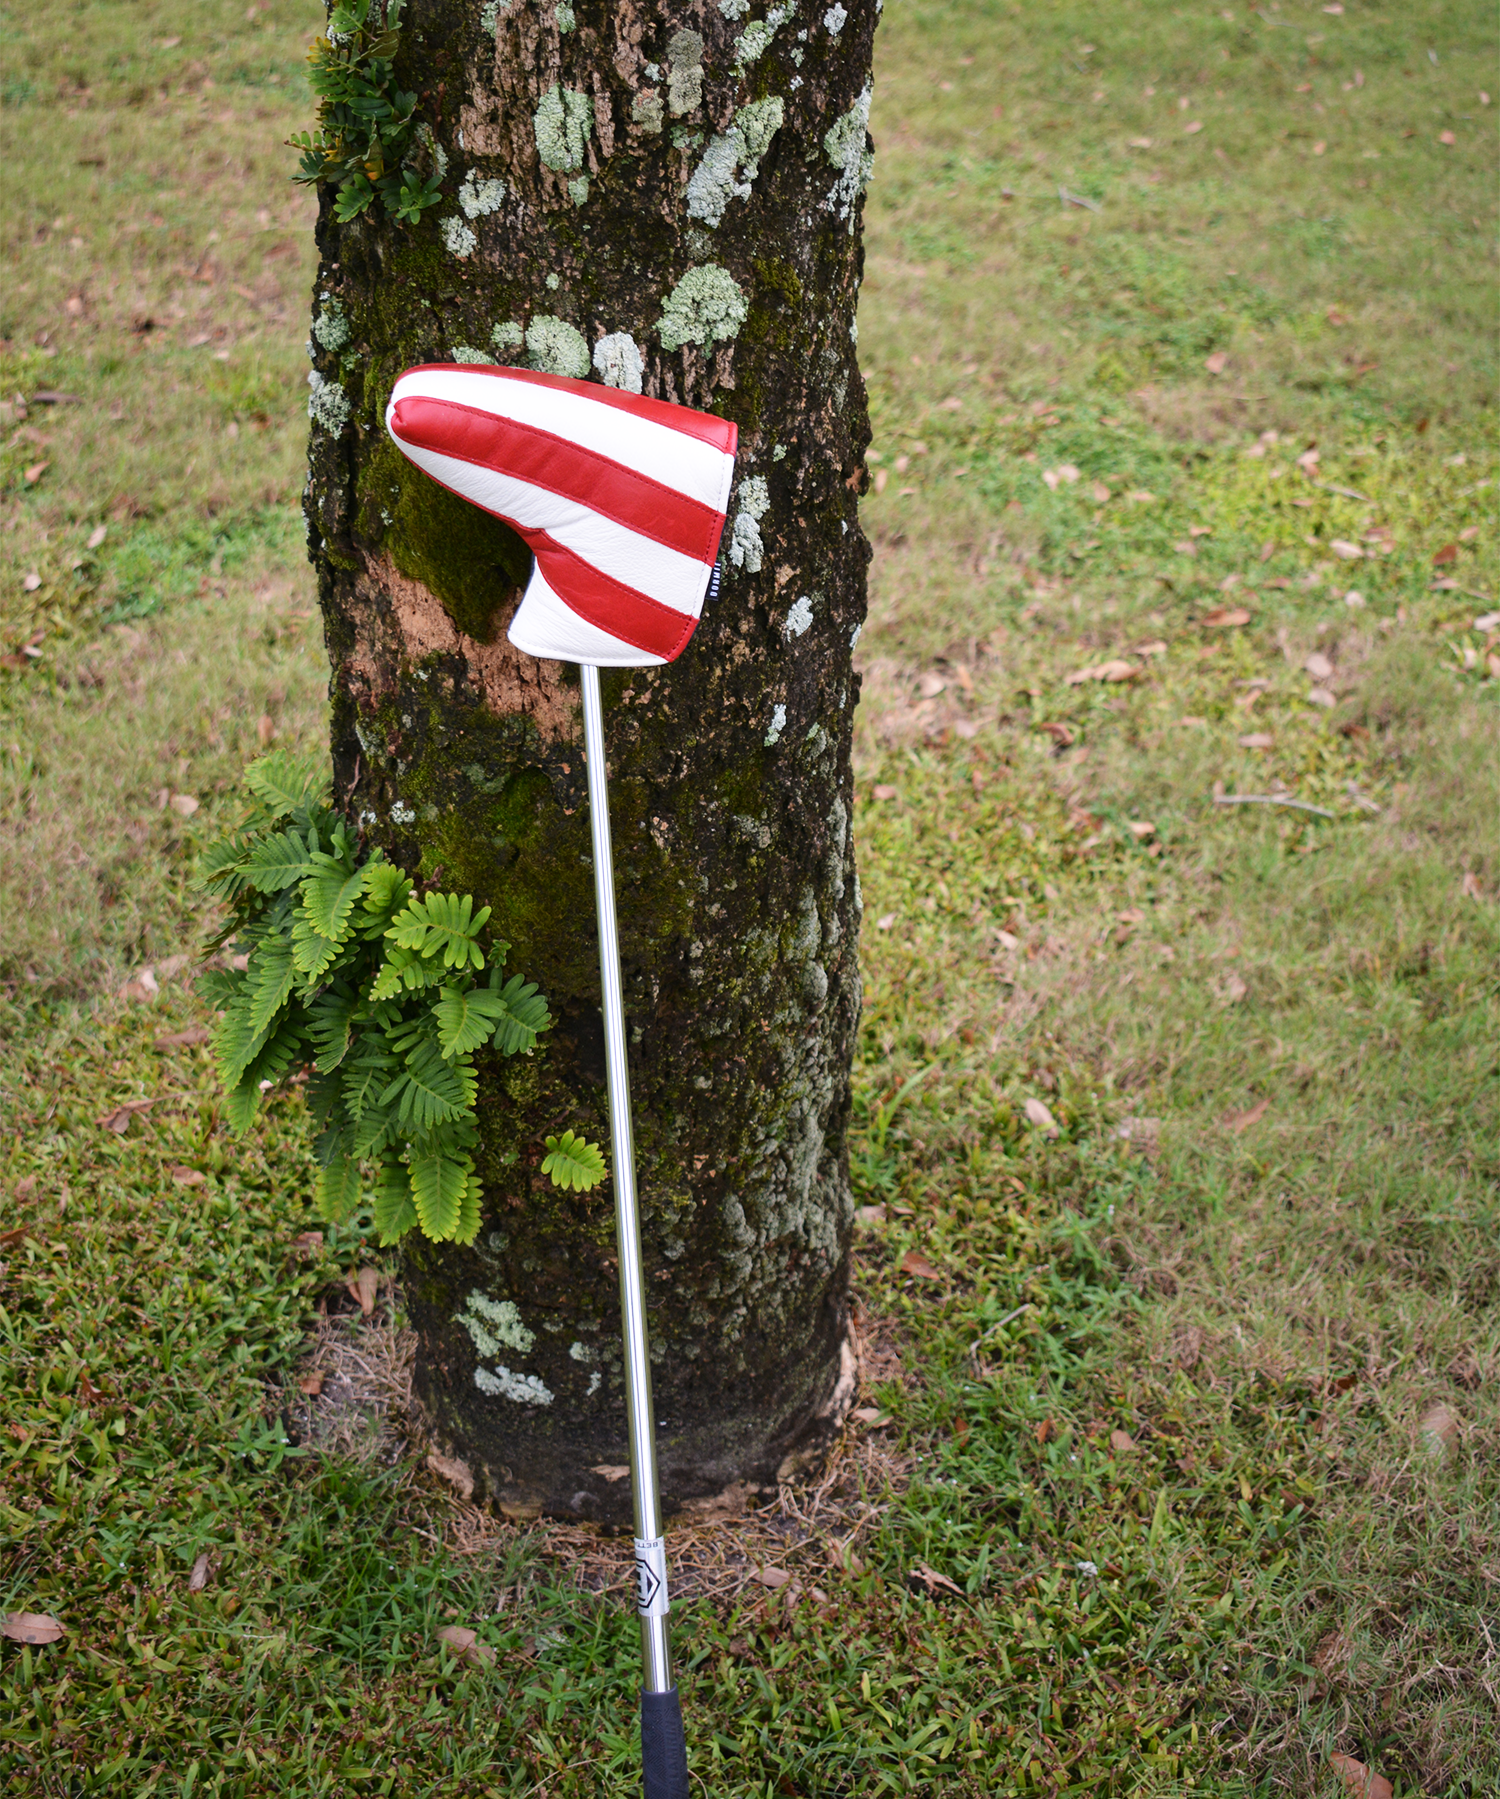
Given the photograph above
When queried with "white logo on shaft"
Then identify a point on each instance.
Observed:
(651, 1577)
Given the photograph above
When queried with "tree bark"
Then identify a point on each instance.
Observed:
(669, 194)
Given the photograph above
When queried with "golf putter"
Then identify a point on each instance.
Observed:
(622, 500)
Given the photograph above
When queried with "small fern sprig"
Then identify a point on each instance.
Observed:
(381, 994)
(365, 145)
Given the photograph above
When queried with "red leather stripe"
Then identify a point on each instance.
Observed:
(630, 498)
(609, 604)
(723, 434)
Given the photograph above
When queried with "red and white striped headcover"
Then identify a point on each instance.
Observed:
(622, 500)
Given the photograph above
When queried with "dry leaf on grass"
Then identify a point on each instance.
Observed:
(1234, 989)
(772, 1577)
(1225, 618)
(87, 1389)
(183, 1039)
(183, 804)
(883, 792)
(307, 1243)
(1217, 363)
(466, 1645)
(458, 1474)
(1046, 1431)
(923, 1579)
(119, 1119)
(1349, 552)
(1060, 734)
(143, 986)
(1362, 1782)
(311, 1383)
(913, 1262)
(186, 1177)
(1448, 553)
(611, 1471)
(363, 1287)
(1257, 740)
(1116, 670)
(1241, 1121)
(1318, 666)
(1121, 1442)
(1040, 1115)
(198, 1579)
(871, 1415)
(35, 1628)
(1440, 1430)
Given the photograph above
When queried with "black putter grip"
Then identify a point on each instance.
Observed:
(663, 1746)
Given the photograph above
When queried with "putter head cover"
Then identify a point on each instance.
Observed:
(622, 500)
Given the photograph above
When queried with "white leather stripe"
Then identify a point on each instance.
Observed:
(664, 575)
(678, 461)
(544, 626)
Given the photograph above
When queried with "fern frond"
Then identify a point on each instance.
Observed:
(525, 1016)
(337, 1191)
(512, 1014)
(386, 891)
(429, 1090)
(284, 782)
(220, 987)
(366, 1076)
(219, 869)
(270, 1063)
(329, 896)
(405, 971)
(330, 1022)
(442, 921)
(269, 981)
(280, 861)
(395, 1213)
(574, 1163)
(468, 1216)
(437, 1186)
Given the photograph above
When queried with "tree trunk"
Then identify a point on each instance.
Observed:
(668, 197)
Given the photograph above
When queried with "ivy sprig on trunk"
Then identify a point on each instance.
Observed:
(366, 145)
(380, 993)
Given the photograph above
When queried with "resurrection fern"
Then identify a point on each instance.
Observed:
(366, 144)
(381, 994)
(573, 1162)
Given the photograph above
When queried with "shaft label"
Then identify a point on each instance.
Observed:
(651, 1577)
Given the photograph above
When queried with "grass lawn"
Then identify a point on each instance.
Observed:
(1179, 1083)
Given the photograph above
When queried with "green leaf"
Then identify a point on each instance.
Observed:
(329, 896)
(367, 1076)
(330, 1020)
(466, 1019)
(269, 983)
(284, 782)
(573, 1163)
(278, 862)
(442, 921)
(405, 971)
(429, 1090)
(468, 1217)
(337, 1191)
(437, 1185)
(524, 1017)
(270, 1063)
(394, 1212)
